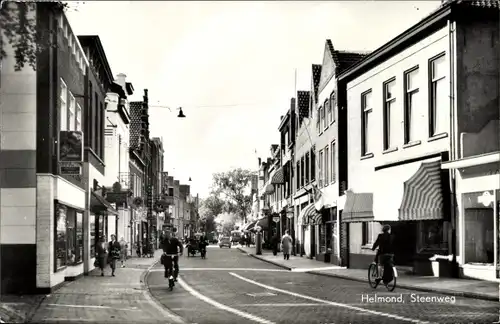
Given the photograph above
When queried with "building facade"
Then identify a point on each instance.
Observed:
(409, 104)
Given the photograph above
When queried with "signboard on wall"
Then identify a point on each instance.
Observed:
(70, 146)
(276, 219)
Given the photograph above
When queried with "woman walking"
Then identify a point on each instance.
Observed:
(101, 254)
(286, 242)
(114, 253)
(123, 251)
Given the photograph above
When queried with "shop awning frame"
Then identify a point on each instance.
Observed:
(269, 189)
(97, 202)
(358, 207)
(308, 213)
(278, 177)
(423, 194)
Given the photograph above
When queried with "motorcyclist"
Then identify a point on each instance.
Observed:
(172, 249)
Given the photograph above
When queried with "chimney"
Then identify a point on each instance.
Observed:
(292, 105)
(120, 79)
(145, 95)
(260, 162)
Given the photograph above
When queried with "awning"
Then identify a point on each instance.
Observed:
(307, 213)
(317, 219)
(269, 189)
(278, 177)
(99, 204)
(358, 207)
(423, 194)
(263, 222)
(249, 226)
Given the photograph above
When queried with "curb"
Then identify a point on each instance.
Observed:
(404, 286)
(417, 288)
(265, 260)
(145, 287)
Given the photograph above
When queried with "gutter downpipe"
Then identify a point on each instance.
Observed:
(453, 142)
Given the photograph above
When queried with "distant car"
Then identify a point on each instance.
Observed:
(225, 241)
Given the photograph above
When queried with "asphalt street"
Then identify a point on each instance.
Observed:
(231, 287)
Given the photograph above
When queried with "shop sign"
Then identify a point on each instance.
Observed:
(70, 146)
(70, 168)
(276, 219)
(486, 199)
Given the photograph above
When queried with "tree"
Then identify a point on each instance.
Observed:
(234, 187)
(226, 222)
(209, 208)
(18, 28)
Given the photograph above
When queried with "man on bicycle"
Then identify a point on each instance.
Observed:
(170, 246)
(385, 253)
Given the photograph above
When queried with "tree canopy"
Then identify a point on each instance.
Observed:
(18, 28)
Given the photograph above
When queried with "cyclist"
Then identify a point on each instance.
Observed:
(385, 253)
(170, 246)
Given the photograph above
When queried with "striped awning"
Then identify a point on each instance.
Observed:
(317, 219)
(423, 194)
(269, 189)
(358, 207)
(278, 177)
(249, 226)
(308, 213)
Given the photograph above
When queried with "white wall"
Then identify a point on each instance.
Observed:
(361, 171)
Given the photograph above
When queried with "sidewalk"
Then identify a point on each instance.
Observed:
(92, 298)
(450, 286)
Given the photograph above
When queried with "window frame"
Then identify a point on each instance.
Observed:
(327, 113)
(333, 105)
(431, 82)
(313, 164)
(302, 172)
(71, 113)
(366, 110)
(333, 158)
(365, 231)
(78, 117)
(408, 104)
(63, 105)
(386, 111)
(297, 174)
(308, 168)
(326, 166)
(320, 169)
(320, 119)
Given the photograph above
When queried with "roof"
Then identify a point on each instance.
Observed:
(303, 104)
(316, 76)
(94, 40)
(413, 34)
(344, 60)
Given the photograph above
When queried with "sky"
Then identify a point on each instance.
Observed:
(232, 66)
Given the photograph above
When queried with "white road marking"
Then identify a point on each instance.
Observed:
(401, 318)
(94, 306)
(1, 321)
(262, 294)
(282, 305)
(223, 269)
(222, 306)
(316, 269)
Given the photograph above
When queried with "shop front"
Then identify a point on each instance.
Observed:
(102, 222)
(310, 220)
(478, 207)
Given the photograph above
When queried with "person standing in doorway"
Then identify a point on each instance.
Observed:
(286, 243)
(275, 243)
(123, 251)
(114, 253)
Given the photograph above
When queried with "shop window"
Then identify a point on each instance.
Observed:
(60, 237)
(322, 238)
(71, 240)
(335, 238)
(433, 236)
(79, 237)
(93, 241)
(329, 236)
(369, 233)
(479, 227)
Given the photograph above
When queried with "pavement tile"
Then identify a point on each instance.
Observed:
(453, 286)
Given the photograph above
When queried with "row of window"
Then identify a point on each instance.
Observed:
(70, 110)
(412, 108)
(72, 43)
(326, 114)
(325, 165)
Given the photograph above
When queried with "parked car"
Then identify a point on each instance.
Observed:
(225, 241)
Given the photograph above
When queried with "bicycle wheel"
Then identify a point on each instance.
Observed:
(373, 275)
(392, 285)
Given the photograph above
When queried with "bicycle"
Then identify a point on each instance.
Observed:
(170, 270)
(375, 274)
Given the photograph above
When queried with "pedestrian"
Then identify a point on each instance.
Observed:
(275, 243)
(123, 251)
(114, 253)
(101, 255)
(286, 242)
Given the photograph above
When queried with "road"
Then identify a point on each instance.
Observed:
(231, 287)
